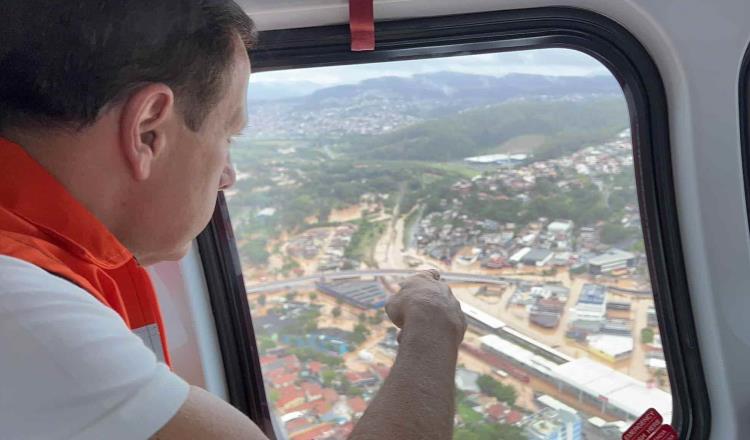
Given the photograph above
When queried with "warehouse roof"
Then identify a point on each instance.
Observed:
(592, 294)
(619, 390)
(611, 256)
(517, 353)
(486, 319)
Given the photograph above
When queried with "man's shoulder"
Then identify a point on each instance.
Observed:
(23, 283)
(74, 369)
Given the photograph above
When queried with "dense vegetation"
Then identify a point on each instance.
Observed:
(496, 389)
(416, 167)
(566, 125)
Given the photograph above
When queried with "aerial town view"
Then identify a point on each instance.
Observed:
(519, 188)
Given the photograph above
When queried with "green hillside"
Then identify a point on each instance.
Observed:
(563, 126)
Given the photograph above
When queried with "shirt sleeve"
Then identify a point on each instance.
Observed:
(70, 368)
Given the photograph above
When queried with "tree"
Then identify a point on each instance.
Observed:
(336, 312)
(360, 334)
(378, 318)
(254, 251)
(362, 317)
(273, 395)
(327, 376)
(487, 431)
(493, 388)
(313, 296)
(647, 335)
(613, 233)
(262, 300)
(266, 343)
(290, 296)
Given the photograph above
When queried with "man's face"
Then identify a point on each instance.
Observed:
(196, 165)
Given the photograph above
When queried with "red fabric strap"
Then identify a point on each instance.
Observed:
(362, 24)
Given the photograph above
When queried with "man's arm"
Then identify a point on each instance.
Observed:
(205, 416)
(417, 400)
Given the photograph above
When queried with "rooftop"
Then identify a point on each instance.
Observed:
(486, 319)
(592, 294)
(619, 390)
(611, 345)
(517, 353)
(611, 256)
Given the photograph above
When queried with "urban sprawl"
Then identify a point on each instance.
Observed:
(563, 338)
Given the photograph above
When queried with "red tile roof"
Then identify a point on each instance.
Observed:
(315, 367)
(297, 425)
(268, 359)
(313, 433)
(304, 407)
(290, 360)
(321, 407)
(513, 417)
(381, 370)
(357, 405)
(282, 380)
(497, 411)
(355, 376)
(313, 391)
(288, 395)
(330, 395)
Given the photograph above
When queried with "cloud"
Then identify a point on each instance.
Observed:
(555, 62)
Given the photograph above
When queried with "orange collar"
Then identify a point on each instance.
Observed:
(29, 191)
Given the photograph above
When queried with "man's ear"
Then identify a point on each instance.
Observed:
(143, 134)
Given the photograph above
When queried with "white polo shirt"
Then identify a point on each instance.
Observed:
(71, 369)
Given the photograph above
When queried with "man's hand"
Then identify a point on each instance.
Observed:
(417, 400)
(426, 304)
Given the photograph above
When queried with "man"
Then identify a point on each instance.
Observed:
(116, 119)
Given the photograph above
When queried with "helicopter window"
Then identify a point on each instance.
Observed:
(513, 173)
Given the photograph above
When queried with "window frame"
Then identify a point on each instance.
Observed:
(526, 29)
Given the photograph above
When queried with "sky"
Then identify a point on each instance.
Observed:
(554, 62)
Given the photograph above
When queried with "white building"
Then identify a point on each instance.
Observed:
(613, 259)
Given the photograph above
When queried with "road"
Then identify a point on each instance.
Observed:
(450, 277)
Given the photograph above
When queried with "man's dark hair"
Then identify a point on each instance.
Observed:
(62, 62)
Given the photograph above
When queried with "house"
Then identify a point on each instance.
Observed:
(361, 379)
(611, 260)
(289, 397)
(281, 379)
(312, 391)
(357, 405)
(315, 432)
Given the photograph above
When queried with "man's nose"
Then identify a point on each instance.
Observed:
(228, 176)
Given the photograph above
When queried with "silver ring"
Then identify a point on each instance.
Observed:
(435, 274)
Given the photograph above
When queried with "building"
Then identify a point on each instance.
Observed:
(546, 312)
(591, 308)
(554, 424)
(517, 357)
(362, 294)
(618, 327)
(614, 392)
(480, 319)
(612, 348)
(466, 380)
(537, 257)
(560, 227)
(618, 310)
(612, 260)
(596, 428)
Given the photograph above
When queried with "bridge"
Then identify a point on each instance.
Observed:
(450, 277)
